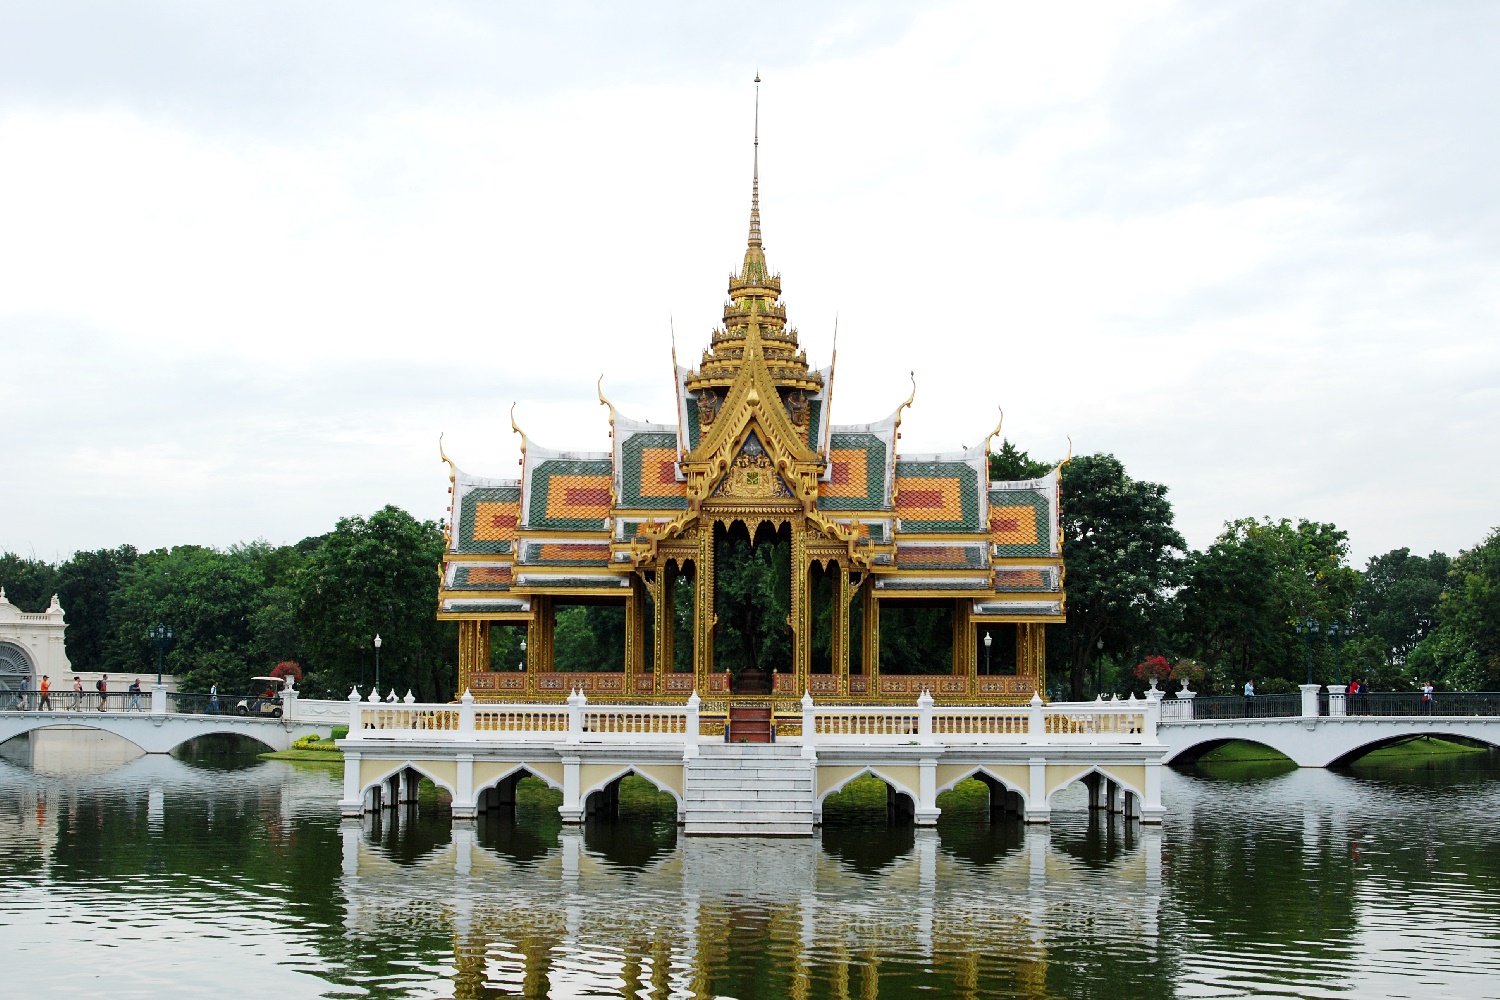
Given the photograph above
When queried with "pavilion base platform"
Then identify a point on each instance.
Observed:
(1025, 755)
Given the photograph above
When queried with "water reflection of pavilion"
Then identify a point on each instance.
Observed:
(841, 917)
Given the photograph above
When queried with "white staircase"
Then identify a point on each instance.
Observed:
(749, 789)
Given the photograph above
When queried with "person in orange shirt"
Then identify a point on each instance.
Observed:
(44, 703)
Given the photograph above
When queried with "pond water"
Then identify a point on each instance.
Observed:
(217, 874)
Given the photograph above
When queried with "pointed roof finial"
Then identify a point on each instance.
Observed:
(755, 176)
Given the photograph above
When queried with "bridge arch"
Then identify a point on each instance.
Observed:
(1192, 753)
(838, 781)
(601, 784)
(1104, 771)
(382, 775)
(1006, 794)
(1354, 754)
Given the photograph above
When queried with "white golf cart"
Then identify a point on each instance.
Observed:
(267, 703)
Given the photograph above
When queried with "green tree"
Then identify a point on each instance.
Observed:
(28, 583)
(1122, 555)
(1244, 592)
(207, 597)
(1396, 608)
(1463, 652)
(1011, 463)
(376, 575)
(85, 586)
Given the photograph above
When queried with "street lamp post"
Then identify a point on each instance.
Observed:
(1099, 667)
(522, 664)
(988, 641)
(161, 638)
(1308, 629)
(1337, 635)
(377, 662)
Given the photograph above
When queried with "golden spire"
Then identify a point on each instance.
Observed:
(755, 174)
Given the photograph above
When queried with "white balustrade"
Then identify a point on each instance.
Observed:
(577, 721)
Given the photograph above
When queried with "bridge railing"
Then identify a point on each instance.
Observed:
(75, 701)
(1409, 703)
(1261, 706)
(575, 720)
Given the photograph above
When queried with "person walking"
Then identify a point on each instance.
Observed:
(135, 694)
(23, 692)
(1427, 690)
(213, 699)
(1249, 697)
(77, 693)
(102, 686)
(44, 703)
(1353, 696)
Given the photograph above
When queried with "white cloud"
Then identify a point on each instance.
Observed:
(1249, 250)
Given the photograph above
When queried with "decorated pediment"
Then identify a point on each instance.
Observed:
(752, 475)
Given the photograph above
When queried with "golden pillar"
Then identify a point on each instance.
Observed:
(473, 651)
(841, 630)
(635, 633)
(1031, 654)
(538, 641)
(664, 620)
(871, 636)
(801, 619)
(704, 617)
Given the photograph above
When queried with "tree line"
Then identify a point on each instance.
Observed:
(1135, 590)
(1229, 613)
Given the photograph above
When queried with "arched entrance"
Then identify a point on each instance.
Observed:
(15, 666)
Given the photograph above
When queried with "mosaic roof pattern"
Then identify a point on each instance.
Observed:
(927, 583)
(482, 606)
(937, 496)
(1024, 579)
(1021, 522)
(648, 472)
(857, 477)
(941, 557)
(569, 494)
(565, 553)
(481, 578)
(487, 518)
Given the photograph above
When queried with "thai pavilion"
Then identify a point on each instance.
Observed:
(755, 549)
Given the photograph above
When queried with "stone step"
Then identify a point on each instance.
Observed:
(721, 816)
(758, 750)
(781, 786)
(749, 804)
(740, 829)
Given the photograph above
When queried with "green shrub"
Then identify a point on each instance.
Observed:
(339, 732)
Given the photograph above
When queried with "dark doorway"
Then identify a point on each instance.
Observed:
(589, 637)
(752, 597)
(916, 637)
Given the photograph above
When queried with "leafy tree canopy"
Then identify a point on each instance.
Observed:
(1011, 463)
(369, 576)
(1122, 555)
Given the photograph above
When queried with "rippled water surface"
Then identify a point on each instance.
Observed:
(222, 875)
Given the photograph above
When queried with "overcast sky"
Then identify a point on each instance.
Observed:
(254, 258)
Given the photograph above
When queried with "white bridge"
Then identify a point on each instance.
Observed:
(1327, 736)
(156, 730)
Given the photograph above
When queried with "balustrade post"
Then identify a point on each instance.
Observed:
(809, 726)
(355, 708)
(1338, 700)
(1309, 700)
(924, 716)
(158, 699)
(466, 712)
(576, 700)
(1036, 720)
(288, 700)
(690, 749)
(1153, 713)
(410, 698)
